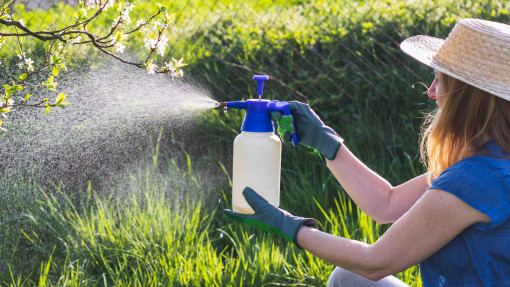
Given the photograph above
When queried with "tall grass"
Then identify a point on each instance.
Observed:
(161, 222)
(151, 231)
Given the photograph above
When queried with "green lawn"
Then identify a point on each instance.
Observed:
(153, 216)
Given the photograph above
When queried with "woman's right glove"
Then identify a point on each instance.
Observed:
(270, 218)
(311, 131)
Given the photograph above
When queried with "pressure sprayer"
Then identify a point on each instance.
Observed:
(257, 150)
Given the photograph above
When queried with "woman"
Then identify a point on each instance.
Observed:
(455, 219)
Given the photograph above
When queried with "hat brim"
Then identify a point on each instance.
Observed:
(423, 48)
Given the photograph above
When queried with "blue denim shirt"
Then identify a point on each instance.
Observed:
(480, 255)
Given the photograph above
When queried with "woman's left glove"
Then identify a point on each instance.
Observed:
(270, 218)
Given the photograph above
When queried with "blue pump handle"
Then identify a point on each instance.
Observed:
(260, 83)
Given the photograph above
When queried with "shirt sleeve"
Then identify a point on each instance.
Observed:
(479, 186)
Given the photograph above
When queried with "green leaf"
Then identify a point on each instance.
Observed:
(8, 91)
(18, 88)
(23, 76)
(118, 36)
(60, 98)
(47, 110)
(27, 97)
(55, 70)
(170, 18)
(3, 39)
(50, 84)
(4, 110)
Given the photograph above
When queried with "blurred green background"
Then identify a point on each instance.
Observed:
(151, 214)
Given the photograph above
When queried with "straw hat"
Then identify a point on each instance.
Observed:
(476, 52)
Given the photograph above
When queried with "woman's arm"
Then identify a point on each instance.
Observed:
(435, 219)
(372, 193)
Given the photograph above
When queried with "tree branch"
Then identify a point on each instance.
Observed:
(28, 31)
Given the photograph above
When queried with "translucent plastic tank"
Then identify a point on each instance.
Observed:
(257, 161)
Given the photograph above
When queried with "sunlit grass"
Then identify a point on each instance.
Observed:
(161, 223)
(148, 235)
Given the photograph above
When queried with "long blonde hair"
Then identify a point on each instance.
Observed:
(460, 127)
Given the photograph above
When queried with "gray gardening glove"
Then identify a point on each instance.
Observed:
(311, 131)
(270, 218)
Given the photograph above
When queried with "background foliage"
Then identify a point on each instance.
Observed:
(160, 222)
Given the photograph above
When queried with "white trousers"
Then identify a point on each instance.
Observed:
(345, 278)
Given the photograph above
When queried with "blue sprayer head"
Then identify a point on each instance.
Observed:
(258, 111)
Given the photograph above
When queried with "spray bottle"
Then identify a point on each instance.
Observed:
(257, 150)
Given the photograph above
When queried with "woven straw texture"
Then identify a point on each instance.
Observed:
(476, 52)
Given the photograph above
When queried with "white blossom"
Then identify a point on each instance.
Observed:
(171, 68)
(143, 28)
(149, 43)
(151, 68)
(119, 47)
(158, 24)
(25, 61)
(124, 17)
(93, 4)
(30, 64)
(115, 21)
(161, 47)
